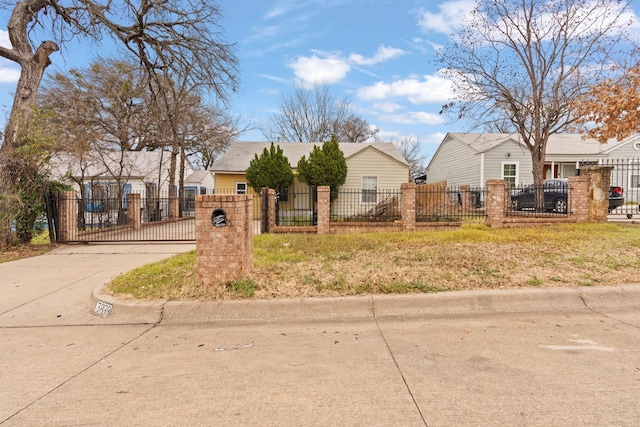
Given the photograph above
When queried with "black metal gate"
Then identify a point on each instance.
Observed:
(51, 206)
(626, 177)
(297, 207)
(72, 219)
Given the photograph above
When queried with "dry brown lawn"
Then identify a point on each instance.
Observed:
(13, 253)
(472, 257)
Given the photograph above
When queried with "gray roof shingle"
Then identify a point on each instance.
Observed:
(237, 158)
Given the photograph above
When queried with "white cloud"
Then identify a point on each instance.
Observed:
(430, 89)
(283, 7)
(414, 117)
(316, 70)
(8, 74)
(274, 78)
(331, 67)
(434, 138)
(384, 53)
(387, 107)
(4, 39)
(450, 16)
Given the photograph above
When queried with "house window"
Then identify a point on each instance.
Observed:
(568, 170)
(369, 189)
(203, 190)
(635, 181)
(103, 196)
(241, 188)
(189, 198)
(510, 172)
(283, 195)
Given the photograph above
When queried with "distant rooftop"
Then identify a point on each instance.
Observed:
(237, 158)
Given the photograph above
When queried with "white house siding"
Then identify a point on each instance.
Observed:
(460, 156)
(202, 181)
(370, 162)
(390, 174)
(140, 168)
(630, 149)
(508, 152)
(456, 163)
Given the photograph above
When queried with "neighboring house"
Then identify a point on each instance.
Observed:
(105, 175)
(370, 166)
(474, 158)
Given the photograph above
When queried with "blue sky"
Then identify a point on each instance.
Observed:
(379, 53)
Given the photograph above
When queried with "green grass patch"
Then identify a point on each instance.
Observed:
(534, 281)
(245, 288)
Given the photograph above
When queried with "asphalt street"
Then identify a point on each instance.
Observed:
(542, 357)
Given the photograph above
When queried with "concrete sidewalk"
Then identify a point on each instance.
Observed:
(565, 356)
(61, 282)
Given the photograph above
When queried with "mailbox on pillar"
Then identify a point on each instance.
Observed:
(219, 218)
(224, 237)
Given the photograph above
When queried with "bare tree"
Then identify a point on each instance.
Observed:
(100, 114)
(216, 131)
(411, 150)
(105, 101)
(355, 129)
(183, 38)
(521, 63)
(315, 115)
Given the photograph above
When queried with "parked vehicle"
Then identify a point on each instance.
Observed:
(555, 193)
(616, 198)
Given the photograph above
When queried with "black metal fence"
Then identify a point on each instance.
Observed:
(296, 208)
(361, 205)
(110, 220)
(552, 199)
(435, 203)
(625, 176)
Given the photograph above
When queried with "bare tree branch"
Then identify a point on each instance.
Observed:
(315, 115)
(519, 64)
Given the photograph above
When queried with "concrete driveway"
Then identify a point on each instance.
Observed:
(567, 357)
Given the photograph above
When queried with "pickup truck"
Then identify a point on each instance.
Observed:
(616, 199)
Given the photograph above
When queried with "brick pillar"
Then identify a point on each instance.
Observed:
(174, 207)
(600, 181)
(465, 198)
(271, 196)
(324, 209)
(408, 206)
(579, 200)
(224, 250)
(264, 210)
(495, 203)
(67, 216)
(134, 213)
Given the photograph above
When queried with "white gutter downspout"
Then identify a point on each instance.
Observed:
(482, 183)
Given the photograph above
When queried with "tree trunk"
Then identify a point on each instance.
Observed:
(537, 160)
(183, 161)
(32, 70)
(173, 166)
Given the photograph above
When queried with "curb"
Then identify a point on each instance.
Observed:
(330, 309)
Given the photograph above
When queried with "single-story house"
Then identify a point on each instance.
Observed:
(474, 158)
(106, 174)
(370, 166)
